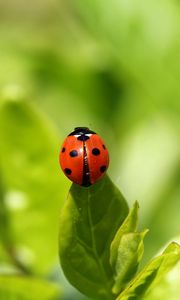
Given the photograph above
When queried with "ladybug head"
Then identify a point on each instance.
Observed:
(82, 131)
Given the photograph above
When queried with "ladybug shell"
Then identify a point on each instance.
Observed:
(84, 157)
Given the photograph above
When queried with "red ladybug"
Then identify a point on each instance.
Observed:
(84, 157)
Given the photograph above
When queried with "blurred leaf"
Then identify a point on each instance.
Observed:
(33, 185)
(168, 288)
(130, 252)
(27, 288)
(152, 273)
(4, 218)
(89, 221)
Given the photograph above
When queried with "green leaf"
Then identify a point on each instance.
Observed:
(126, 250)
(89, 221)
(129, 225)
(167, 288)
(130, 252)
(151, 274)
(32, 185)
(27, 288)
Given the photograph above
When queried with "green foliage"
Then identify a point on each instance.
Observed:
(130, 252)
(168, 287)
(31, 184)
(152, 273)
(121, 78)
(24, 288)
(89, 221)
(129, 225)
(126, 250)
(100, 249)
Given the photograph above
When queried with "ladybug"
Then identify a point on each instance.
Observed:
(84, 157)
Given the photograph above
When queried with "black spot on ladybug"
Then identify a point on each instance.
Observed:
(63, 150)
(95, 151)
(73, 153)
(83, 137)
(102, 169)
(67, 171)
(104, 146)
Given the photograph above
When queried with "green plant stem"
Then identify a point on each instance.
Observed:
(10, 250)
(6, 236)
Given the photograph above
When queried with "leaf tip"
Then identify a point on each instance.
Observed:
(144, 232)
(136, 204)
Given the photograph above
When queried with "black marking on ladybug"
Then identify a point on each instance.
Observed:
(73, 153)
(104, 146)
(63, 149)
(83, 138)
(86, 173)
(95, 151)
(103, 169)
(67, 171)
(81, 131)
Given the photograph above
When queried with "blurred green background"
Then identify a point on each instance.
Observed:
(113, 66)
